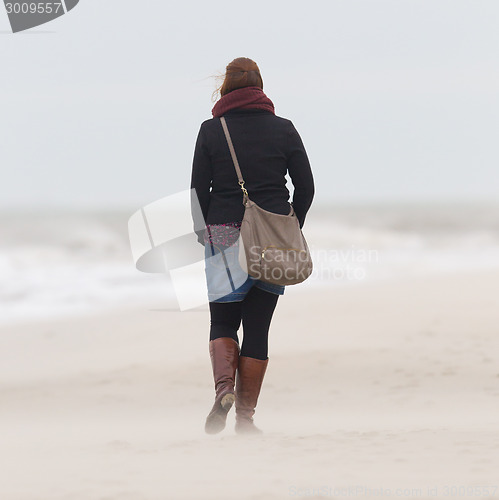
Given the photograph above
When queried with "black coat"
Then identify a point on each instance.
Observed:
(267, 147)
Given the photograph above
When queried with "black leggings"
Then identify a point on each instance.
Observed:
(255, 311)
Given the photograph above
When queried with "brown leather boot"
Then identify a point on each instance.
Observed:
(224, 354)
(249, 381)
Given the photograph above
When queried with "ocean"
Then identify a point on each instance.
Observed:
(55, 263)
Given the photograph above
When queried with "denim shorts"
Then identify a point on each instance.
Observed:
(225, 278)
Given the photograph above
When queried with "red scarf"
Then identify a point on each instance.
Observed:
(246, 97)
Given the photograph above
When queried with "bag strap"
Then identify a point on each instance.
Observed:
(236, 164)
(234, 159)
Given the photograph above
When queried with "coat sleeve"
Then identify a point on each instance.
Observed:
(301, 175)
(201, 179)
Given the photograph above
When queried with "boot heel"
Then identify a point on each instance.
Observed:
(227, 401)
(215, 422)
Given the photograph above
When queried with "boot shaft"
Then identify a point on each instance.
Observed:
(249, 380)
(224, 354)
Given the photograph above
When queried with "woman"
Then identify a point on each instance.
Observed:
(267, 147)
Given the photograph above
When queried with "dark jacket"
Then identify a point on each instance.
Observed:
(267, 147)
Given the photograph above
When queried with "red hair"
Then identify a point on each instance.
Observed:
(239, 73)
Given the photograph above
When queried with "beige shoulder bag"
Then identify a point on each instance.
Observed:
(272, 247)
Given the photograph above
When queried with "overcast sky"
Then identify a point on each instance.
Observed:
(394, 100)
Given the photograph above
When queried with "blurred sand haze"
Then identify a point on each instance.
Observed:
(384, 385)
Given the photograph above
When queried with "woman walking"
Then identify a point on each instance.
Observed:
(267, 147)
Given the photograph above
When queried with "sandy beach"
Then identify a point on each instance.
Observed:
(389, 388)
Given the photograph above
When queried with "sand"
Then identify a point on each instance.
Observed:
(386, 389)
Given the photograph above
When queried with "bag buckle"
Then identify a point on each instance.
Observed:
(241, 183)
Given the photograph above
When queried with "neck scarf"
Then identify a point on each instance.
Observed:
(246, 97)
